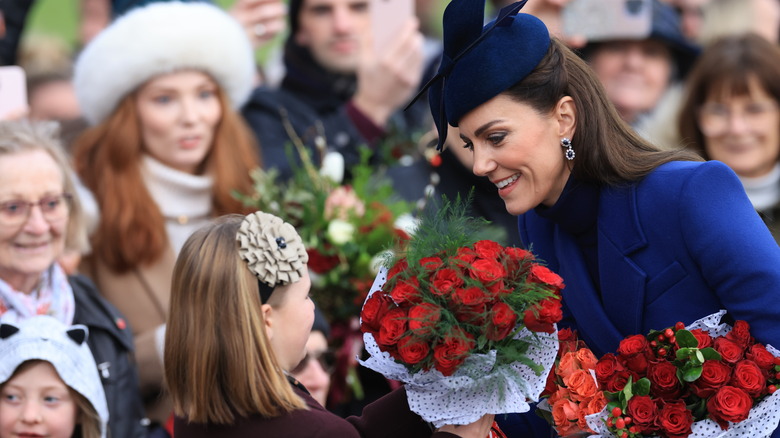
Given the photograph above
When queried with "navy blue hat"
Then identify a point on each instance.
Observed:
(479, 62)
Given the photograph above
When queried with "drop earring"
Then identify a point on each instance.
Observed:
(569, 153)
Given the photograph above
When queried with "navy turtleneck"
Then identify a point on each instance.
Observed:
(576, 212)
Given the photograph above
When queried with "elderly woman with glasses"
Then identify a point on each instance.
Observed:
(40, 217)
(730, 114)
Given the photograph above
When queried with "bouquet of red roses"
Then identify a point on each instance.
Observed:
(572, 391)
(458, 319)
(704, 380)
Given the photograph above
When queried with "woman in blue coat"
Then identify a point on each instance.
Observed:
(642, 237)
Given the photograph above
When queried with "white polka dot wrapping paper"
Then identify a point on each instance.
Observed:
(476, 388)
(761, 422)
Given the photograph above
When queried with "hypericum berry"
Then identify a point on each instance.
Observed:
(616, 412)
(624, 435)
(610, 422)
(679, 326)
(777, 376)
(633, 429)
(672, 339)
(668, 333)
(653, 344)
(620, 423)
(661, 338)
(777, 361)
(771, 389)
(628, 420)
(662, 352)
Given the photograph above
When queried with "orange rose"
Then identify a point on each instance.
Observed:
(587, 359)
(560, 394)
(565, 414)
(567, 365)
(581, 384)
(596, 404)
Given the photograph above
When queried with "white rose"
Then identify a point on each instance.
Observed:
(340, 232)
(333, 167)
(407, 223)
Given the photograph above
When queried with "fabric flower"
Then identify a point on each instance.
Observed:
(272, 249)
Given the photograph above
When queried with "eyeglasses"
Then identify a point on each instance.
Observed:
(326, 359)
(54, 208)
(715, 118)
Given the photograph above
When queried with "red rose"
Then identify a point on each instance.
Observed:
(423, 318)
(607, 367)
(501, 322)
(518, 253)
(748, 375)
(541, 274)
(761, 356)
(452, 351)
(541, 317)
(729, 404)
(568, 340)
(471, 296)
(445, 281)
(398, 267)
(431, 263)
(412, 350)
(731, 351)
(488, 249)
(703, 336)
(406, 291)
(618, 381)
(466, 255)
(393, 326)
(373, 311)
(497, 289)
(740, 334)
(675, 419)
(487, 271)
(643, 411)
(471, 314)
(663, 380)
(634, 350)
(714, 374)
(320, 263)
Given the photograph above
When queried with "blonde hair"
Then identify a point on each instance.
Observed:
(219, 364)
(25, 135)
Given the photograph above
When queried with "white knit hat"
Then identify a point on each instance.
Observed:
(46, 338)
(163, 38)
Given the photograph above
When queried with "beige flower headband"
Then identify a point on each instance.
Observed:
(273, 250)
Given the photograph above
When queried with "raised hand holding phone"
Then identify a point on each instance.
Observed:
(13, 92)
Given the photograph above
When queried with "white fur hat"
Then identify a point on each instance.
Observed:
(162, 38)
(45, 338)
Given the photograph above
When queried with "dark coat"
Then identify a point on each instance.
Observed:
(111, 342)
(388, 417)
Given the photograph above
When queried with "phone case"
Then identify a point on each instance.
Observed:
(600, 20)
(387, 19)
(13, 90)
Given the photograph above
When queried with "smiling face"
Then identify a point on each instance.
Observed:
(28, 249)
(36, 403)
(334, 31)
(519, 150)
(178, 114)
(742, 131)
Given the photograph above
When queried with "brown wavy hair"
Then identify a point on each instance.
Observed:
(609, 151)
(131, 231)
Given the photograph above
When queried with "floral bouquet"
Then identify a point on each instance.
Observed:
(468, 326)
(704, 380)
(572, 391)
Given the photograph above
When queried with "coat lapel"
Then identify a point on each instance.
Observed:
(623, 282)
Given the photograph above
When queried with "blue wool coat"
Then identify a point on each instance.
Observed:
(678, 245)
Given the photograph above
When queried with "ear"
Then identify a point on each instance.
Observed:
(566, 113)
(7, 330)
(78, 333)
(268, 319)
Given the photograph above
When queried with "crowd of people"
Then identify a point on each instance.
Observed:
(645, 170)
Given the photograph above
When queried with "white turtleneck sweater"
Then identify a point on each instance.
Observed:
(763, 191)
(184, 199)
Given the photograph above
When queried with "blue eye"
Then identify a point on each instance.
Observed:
(13, 208)
(162, 99)
(206, 94)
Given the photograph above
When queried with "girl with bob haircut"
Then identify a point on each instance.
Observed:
(243, 316)
(643, 237)
(166, 151)
(49, 381)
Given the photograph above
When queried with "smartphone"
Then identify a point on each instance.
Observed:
(387, 19)
(13, 90)
(602, 20)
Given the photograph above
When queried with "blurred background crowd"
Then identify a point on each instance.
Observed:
(161, 121)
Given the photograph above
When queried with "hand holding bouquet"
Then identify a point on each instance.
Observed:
(467, 325)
